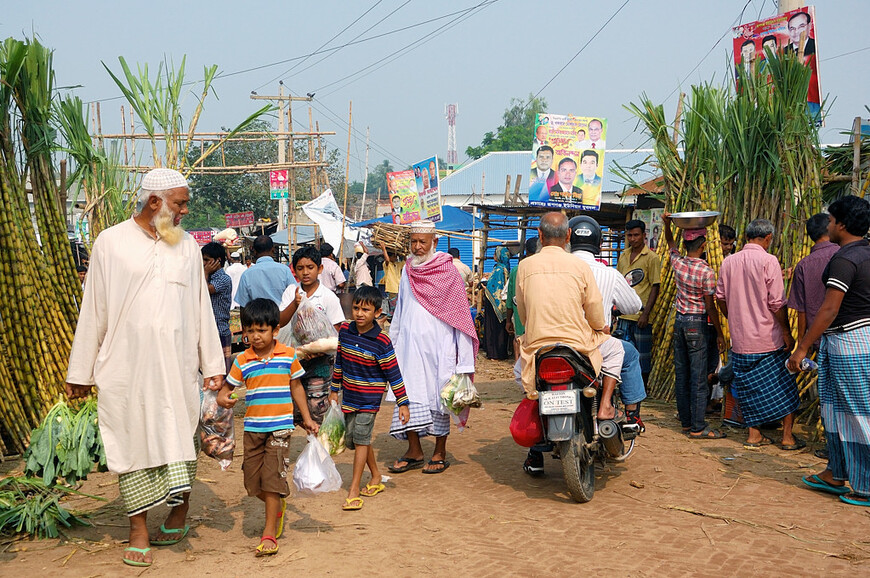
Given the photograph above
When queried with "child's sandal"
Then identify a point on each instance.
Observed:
(261, 549)
(352, 504)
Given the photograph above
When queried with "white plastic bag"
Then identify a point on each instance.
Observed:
(315, 472)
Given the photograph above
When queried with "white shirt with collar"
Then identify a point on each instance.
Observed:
(613, 287)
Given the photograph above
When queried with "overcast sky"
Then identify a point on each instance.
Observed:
(479, 59)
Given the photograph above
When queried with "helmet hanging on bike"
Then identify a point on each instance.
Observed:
(585, 234)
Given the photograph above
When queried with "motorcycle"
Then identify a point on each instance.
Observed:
(569, 393)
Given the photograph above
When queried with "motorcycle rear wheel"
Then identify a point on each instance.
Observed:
(578, 467)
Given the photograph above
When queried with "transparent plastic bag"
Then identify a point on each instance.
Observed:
(309, 324)
(459, 393)
(216, 433)
(315, 472)
(332, 431)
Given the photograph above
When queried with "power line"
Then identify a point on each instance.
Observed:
(846, 54)
(324, 45)
(465, 14)
(582, 48)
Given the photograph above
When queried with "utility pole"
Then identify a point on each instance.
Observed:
(282, 151)
(362, 207)
(789, 5)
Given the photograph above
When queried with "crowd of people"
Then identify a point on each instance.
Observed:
(150, 288)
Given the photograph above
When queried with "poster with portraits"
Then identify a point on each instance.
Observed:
(652, 218)
(405, 202)
(793, 32)
(567, 162)
(426, 177)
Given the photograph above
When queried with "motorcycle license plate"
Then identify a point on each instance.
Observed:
(558, 402)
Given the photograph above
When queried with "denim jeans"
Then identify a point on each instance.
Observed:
(631, 390)
(690, 370)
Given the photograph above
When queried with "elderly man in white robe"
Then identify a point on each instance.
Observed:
(145, 331)
(434, 338)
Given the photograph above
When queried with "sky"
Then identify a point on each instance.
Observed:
(480, 56)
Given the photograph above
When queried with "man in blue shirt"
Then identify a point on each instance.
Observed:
(266, 278)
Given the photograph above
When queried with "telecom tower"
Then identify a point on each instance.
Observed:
(451, 110)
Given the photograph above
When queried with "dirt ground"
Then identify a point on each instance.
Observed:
(675, 508)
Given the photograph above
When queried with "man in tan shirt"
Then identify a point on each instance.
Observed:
(559, 302)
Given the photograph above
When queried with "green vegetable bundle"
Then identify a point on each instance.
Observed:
(27, 505)
(66, 444)
(333, 430)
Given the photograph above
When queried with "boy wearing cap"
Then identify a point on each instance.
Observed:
(696, 285)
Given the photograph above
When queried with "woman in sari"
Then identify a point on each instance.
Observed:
(497, 341)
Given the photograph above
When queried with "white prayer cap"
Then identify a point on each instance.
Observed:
(424, 226)
(163, 180)
(357, 247)
(235, 254)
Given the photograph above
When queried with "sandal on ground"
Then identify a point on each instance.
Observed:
(371, 490)
(281, 518)
(352, 504)
(140, 563)
(798, 444)
(765, 441)
(410, 464)
(856, 500)
(817, 483)
(263, 551)
(182, 532)
(707, 434)
(443, 463)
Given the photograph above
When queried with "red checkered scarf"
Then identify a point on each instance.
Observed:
(440, 289)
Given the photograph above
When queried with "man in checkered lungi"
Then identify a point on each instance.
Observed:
(843, 323)
(751, 294)
(145, 331)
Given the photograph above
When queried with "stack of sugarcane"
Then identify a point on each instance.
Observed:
(748, 154)
(396, 238)
(37, 280)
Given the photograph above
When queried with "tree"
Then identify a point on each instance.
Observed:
(517, 130)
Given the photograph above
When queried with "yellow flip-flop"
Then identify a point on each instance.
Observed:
(352, 504)
(371, 490)
(281, 518)
(262, 551)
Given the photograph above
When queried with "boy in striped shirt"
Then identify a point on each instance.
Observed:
(270, 372)
(365, 364)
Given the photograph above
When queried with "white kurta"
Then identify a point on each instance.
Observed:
(145, 329)
(429, 351)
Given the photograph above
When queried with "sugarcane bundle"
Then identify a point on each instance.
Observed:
(396, 238)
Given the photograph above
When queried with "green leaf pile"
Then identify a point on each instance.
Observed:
(29, 506)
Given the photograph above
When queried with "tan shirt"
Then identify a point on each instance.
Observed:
(642, 273)
(558, 302)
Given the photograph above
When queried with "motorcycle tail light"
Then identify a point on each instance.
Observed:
(555, 370)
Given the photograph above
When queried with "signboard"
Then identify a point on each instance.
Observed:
(794, 32)
(245, 219)
(652, 218)
(567, 162)
(405, 201)
(202, 238)
(278, 188)
(426, 177)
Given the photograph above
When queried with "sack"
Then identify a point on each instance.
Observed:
(310, 324)
(526, 426)
(315, 472)
(216, 433)
(333, 430)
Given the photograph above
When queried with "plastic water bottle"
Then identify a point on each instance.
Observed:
(806, 364)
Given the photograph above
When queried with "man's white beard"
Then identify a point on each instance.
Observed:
(164, 222)
(424, 258)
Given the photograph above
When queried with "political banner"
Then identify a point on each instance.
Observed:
(652, 218)
(202, 238)
(567, 162)
(278, 188)
(793, 32)
(426, 177)
(236, 220)
(405, 201)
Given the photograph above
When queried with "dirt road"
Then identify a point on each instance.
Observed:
(675, 508)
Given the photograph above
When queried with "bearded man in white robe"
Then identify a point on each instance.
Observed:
(145, 331)
(434, 338)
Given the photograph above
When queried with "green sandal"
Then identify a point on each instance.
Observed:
(142, 551)
(165, 530)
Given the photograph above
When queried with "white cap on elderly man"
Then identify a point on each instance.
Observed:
(424, 226)
(235, 255)
(163, 180)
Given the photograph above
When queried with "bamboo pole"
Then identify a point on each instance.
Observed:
(312, 173)
(346, 177)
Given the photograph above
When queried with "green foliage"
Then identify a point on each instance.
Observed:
(28, 506)
(517, 131)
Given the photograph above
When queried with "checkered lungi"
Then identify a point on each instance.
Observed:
(765, 388)
(144, 489)
(844, 393)
(424, 421)
(641, 339)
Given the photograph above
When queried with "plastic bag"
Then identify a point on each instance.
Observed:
(459, 393)
(216, 433)
(526, 427)
(315, 472)
(332, 431)
(310, 324)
